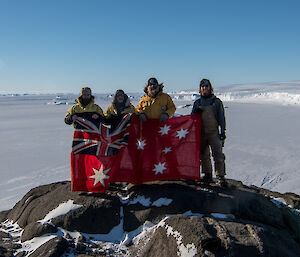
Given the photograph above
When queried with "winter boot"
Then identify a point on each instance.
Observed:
(207, 178)
(221, 181)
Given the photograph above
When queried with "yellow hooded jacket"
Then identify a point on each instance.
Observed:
(153, 108)
(78, 108)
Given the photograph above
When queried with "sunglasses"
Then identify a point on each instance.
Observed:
(205, 85)
(153, 85)
(86, 92)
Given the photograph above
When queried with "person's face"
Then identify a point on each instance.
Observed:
(86, 96)
(120, 97)
(205, 89)
(153, 89)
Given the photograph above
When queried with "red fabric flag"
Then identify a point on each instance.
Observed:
(94, 153)
(88, 173)
(152, 151)
(161, 151)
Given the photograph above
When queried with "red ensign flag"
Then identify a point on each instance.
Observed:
(135, 152)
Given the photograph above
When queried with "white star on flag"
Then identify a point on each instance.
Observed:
(164, 130)
(100, 175)
(166, 150)
(182, 133)
(141, 144)
(159, 168)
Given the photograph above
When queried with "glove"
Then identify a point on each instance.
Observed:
(222, 137)
(142, 117)
(163, 117)
(199, 110)
(68, 120)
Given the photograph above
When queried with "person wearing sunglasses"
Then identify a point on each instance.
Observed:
(119, 107)
(155, 104)
(84, 104)
(212, 132)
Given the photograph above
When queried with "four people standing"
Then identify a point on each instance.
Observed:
(156, 104)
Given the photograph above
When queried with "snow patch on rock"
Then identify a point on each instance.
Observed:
(62, 209)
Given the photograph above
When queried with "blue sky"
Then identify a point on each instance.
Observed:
(62, 45)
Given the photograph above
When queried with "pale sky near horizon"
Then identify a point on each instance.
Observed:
(62, 45)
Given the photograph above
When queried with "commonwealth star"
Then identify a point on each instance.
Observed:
(166, 150)
(159, 168)
(164, 130)
(141, 144)
(100, 175)
(182, 133)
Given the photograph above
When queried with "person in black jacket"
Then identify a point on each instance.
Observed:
(213, 132)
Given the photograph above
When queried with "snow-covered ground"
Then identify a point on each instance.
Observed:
(262, 146)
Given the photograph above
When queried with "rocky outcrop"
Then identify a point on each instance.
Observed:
(171, 218)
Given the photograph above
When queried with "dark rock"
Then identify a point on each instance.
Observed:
(4, 234)
(292, 222)
(38, 202)
(53, 248)
(80, 247)
(7, 245)
(68, 237)
(252, 224)
(98, 216)
(3, 215)
(184, 198)
(5, 252)
(257, 207)
(16, 246)
(220, 238)
(81, 239)
(37, 229)
(21, 254)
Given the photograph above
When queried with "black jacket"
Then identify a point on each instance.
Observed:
(218, 109)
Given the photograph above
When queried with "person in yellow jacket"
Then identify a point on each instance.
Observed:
(155, 104)
(84, 104)
(119, 107)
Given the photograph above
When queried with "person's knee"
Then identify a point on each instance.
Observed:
(219, 156)
(205, 154)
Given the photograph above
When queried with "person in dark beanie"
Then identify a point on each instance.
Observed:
(213, 132)
(84, 104)
(119, 107)
(155, 104)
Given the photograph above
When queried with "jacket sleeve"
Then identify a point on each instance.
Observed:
(99, 110)
(139, 107)
(171, 108)
(129, 109)
(68, 116)
(221, 116)
(195, 107)
(108, 111)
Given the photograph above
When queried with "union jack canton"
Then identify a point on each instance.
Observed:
(95, 138)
